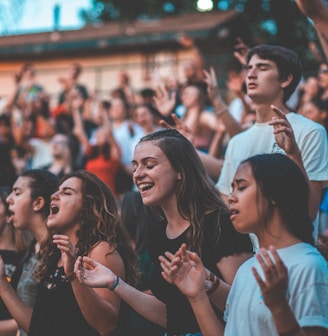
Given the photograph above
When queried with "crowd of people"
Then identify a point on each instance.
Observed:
(173, 210)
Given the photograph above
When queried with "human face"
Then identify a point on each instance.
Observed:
(312, 112)
(323, 76)
(144, 117)
(262, 81)
(117, 109)
(59, 144)
(153, 175)
(66, 205)
(246, 203)
(20, 203)
(190, 96)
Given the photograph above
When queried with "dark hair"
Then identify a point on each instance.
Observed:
(287, 61)
(281, 181)
(100, 221)
(4, 193)
(43, 184)
(196, 193)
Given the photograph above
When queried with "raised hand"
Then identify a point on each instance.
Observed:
(93, 274)
(163, 101)
(240, 51)
(180, 126)
(185, 270)
(68, 252)
(274, 285)
(283, 132)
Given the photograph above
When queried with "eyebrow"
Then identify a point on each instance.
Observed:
(237, 181)
(68, 188)
(144, 159)
(16, 188)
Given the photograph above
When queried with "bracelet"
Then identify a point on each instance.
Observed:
(115, 283)
(71, 277)
(291, 332)
(215, 283)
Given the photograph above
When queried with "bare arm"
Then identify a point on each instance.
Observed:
(186, 271)
(284, 136)
(317, 10)
(221, 109)
(273, 289)
(95, 275)
(21, 312)
(8, 328)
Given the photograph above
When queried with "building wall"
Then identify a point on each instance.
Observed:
(99, 72)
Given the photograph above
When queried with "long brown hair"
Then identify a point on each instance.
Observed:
(100, 221)
(196, 193)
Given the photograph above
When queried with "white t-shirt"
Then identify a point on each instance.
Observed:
(307, 293)
(310, 137)
(127, 140)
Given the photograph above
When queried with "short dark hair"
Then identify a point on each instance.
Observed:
(287, 61)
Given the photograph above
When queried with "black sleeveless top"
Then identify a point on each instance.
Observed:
(180, 317)
(56, 311)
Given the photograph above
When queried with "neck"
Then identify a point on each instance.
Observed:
(275, 233)
(175, 223)
(39, 230)
(264, 112)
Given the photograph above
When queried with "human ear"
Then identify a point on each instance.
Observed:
(38, 204)
(287, 81)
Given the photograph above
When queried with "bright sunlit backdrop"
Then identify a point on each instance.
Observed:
(24, 16)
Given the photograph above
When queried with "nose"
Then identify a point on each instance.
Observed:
(251, 72)
(138, 172)
(231, 197)
(54, 195)
(9, 199)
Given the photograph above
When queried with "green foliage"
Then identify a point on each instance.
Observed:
(269, 21)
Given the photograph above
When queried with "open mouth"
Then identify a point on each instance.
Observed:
(145, 186)
(53, 209)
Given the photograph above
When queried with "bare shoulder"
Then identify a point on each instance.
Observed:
(107, 255)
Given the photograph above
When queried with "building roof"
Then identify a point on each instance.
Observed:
(114, 35)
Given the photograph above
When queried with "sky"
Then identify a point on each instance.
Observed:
(23, 16)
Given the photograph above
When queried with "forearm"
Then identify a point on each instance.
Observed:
(205, 315)
(8, 328)
(232, 126)
(99, 313)
(219, 297)
(146, 305)
(212, 165)
(285, 320)
(19, 311)
(315, 188)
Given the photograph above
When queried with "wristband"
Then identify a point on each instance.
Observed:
(115, 283)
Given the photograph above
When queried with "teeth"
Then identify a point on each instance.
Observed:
(145, 186)
(54, 209)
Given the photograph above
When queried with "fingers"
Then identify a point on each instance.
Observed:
(279, 112)
(164, 124)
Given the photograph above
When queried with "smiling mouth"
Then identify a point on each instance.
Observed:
(145, 186)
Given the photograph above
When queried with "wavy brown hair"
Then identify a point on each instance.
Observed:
(100, 221)
(196, 193)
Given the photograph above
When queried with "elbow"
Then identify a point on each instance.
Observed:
(109, 327)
